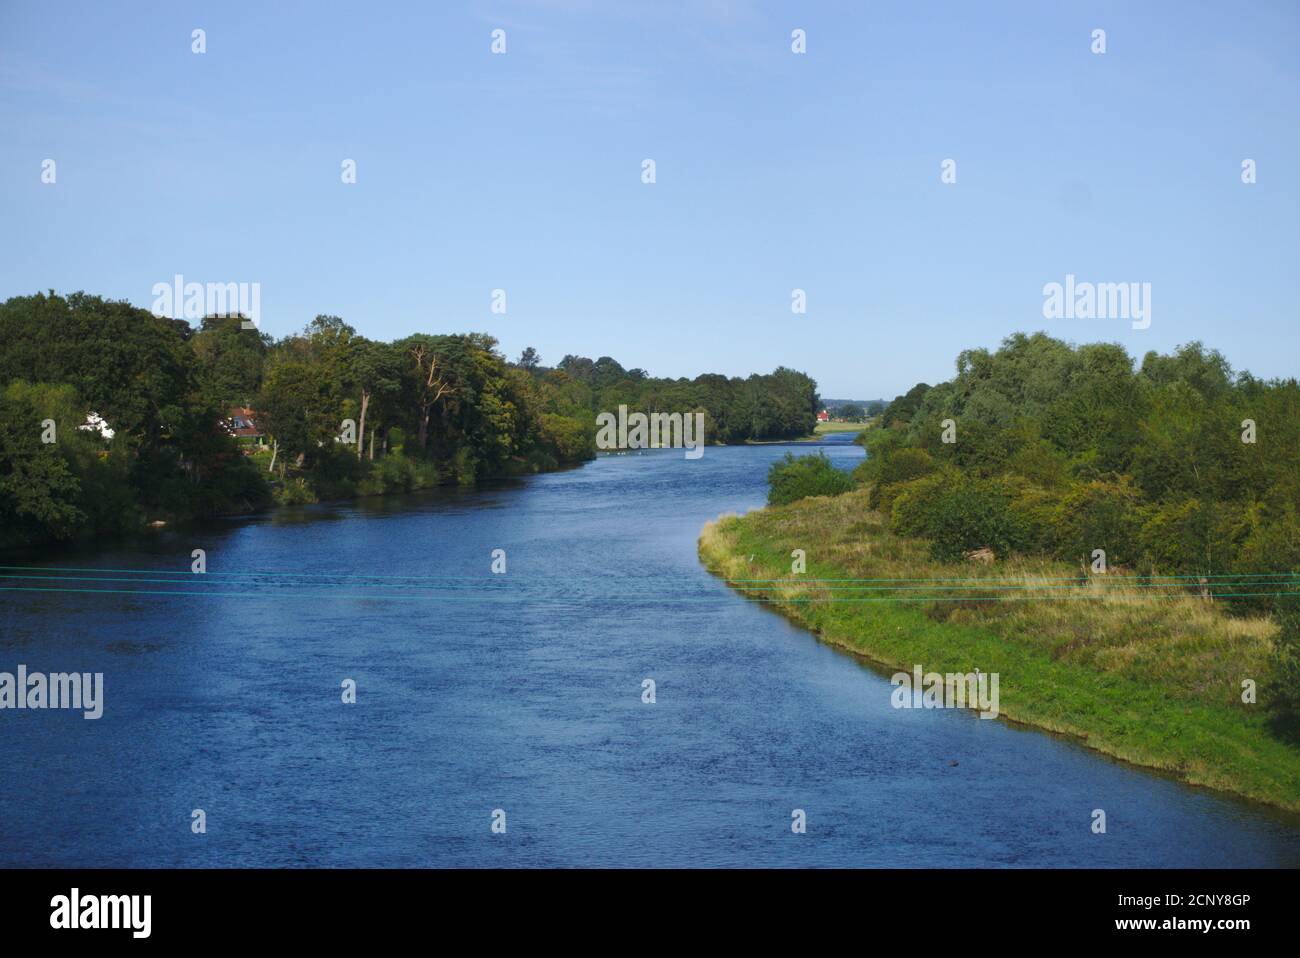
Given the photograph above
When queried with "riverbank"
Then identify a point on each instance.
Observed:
(824, 429)
(820, 431)
(1152, 680)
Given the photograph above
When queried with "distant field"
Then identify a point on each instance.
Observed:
(825, 427)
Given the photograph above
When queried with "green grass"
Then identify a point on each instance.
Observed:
(1138, 673)
(824, 427)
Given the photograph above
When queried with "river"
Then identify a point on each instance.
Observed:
(522, 692)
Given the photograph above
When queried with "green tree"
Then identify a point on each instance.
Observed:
(230, 360)
(299, 409)
(40, 494)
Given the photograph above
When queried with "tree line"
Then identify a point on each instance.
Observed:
(342, 414)
(1176, 465)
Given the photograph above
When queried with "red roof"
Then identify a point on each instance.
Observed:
(241, 422)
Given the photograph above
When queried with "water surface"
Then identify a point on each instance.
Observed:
(523, 692)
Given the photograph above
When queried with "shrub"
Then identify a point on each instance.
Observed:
(465, 465)
(902, 465)
(294, 492)
(879, 444)
(1272, 539)
(1098, 514)
(400, 474)
(958, 515)
(236, 485)
(914, 503)
(1191, 536)
(1040, 462)
(1034, 511)
(970, 516)
(388, 474)
(337, 471)
(790, 479)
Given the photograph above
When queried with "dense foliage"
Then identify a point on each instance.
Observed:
(1064, 450)
(793, 478)
(1286, 663)
(63, 359)
(424, 410)
(780, 405)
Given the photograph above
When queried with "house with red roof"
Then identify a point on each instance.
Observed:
(241, 422)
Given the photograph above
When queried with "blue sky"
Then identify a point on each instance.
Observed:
(774, 171)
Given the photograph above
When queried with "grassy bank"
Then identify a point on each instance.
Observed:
(823, 429)
(1133, 671)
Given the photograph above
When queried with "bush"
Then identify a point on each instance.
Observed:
(395, 473)
(294, 492)
(337, 472)
(957, 515)
(237, 485)
(901, 465)
(1039, 462)
(914, 502)
(1098, 514)
(1272, 539)
(790, 479)
(879, 444)
(465, 465)
(1034, 511)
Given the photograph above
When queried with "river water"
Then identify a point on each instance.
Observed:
(522, 692)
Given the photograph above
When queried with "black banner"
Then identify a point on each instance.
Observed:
(948, 907)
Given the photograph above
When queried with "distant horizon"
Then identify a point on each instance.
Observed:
(824, 398)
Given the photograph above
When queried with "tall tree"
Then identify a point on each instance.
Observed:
(529, 359)
(374, 368)
(429, 370)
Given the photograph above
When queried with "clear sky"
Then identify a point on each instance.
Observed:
(775, 171)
